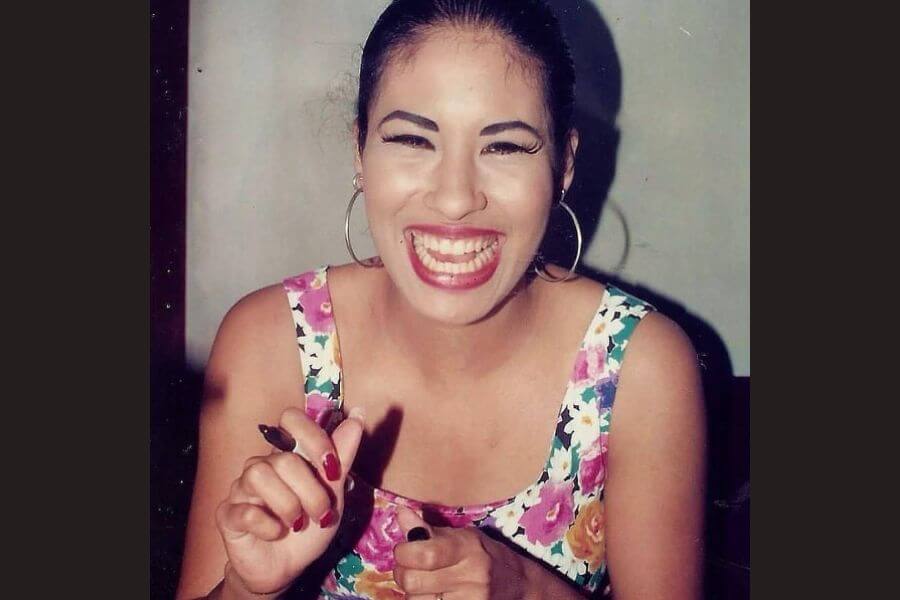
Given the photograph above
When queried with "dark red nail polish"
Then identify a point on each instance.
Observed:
(327, 519)
(298, 524)
(332, 469)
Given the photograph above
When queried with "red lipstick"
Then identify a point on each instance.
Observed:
(454, 281)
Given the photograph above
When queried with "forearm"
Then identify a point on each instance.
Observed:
(231, 588)
(544, 585)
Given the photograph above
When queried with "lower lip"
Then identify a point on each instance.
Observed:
(452, 281)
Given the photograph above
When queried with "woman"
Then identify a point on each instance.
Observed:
(474, 398)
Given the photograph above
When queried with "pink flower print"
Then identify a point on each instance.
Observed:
(376, 546)
(318, 407)
(548, 520)
(446, 518)
(300, 283)
(589, 363)
(592, 468)
(317, 310)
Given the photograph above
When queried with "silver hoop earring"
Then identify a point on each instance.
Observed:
(539, 270)
(357, 187)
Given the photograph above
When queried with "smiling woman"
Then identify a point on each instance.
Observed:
(457, 439)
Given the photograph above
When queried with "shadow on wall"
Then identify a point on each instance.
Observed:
(598, 96)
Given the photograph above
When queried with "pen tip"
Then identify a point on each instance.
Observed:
(263, 429)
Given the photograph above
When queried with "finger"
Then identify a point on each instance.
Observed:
(260, 480)
(439, 552)
(408, 520)
(414, 581)
(238, 520)
(298, 475)
(313, 443)
(346, 438)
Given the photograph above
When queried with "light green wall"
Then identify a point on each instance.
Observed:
(271, 90)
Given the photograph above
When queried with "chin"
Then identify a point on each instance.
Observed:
(453, 282)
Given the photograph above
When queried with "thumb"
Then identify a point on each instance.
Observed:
(346, 438)
(408, 520)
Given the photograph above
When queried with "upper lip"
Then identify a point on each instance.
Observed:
(454, 231)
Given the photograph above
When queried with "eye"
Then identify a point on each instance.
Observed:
(509, 148)
(413, 141)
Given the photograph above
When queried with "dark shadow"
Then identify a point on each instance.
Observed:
(598, 97)
(176, 391)
(377, 448)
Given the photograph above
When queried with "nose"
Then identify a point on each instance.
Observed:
(457, 192)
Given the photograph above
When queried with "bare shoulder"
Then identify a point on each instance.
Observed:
(255, 351)
(660, 390)
(659, 355)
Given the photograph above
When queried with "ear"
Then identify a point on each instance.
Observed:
(357, 154)
(569, 158)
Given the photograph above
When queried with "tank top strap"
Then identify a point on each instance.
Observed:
(317, 341)
(599, 359)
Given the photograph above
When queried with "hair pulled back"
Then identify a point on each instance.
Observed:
(528, 23)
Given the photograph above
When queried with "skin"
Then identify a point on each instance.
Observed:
(457, 368)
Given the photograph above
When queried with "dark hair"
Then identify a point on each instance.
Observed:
(528, 23)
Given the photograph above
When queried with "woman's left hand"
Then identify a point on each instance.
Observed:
(457, 564)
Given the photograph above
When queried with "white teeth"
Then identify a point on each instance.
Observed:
(484, 247)
(452, 247)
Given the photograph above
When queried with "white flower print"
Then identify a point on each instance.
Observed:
(507, 518)
(560, 464)
(584, 427)
(567, 563)
(530, 497)
(608, 325)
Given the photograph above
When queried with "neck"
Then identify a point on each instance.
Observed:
(445, 352)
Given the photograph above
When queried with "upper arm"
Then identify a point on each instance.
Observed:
(656, 480)
(252, 375)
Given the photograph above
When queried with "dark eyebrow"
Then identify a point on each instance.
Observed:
(498, 127)
(412, 118)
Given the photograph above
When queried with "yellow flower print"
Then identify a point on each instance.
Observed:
(587, 536)
(378, 585)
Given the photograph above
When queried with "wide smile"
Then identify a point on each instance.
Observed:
(453, 258)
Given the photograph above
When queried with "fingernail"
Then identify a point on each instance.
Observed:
(327, 519)
(417, 534)
(332, 468)
(358, 413)
(298, 524)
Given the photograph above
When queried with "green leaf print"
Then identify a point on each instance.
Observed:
(556, 548)
(576, 460)
(557, 443)
(321, 339)
(326, 387)
(349, 566)
(589, 394)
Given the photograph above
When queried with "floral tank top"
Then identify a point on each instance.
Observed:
(558, 520)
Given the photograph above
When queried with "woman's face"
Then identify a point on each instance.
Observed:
(457, 173)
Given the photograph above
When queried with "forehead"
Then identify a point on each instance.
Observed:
(468, 76)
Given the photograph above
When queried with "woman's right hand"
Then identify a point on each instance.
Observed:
(283, 512)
